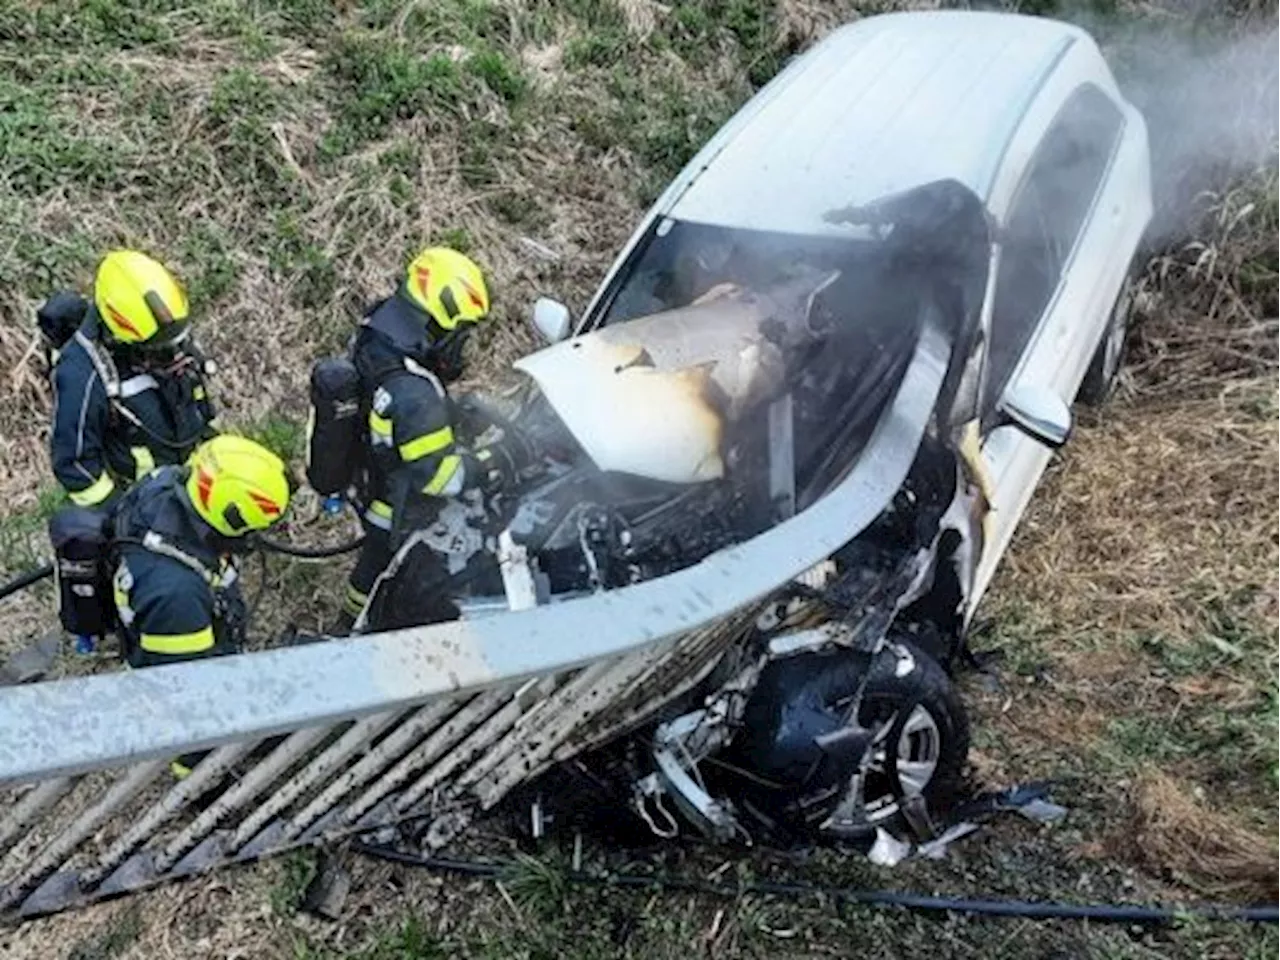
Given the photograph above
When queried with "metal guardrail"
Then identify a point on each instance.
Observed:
(431, 725)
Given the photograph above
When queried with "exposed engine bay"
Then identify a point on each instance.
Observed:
(648, 444)
(644, 447)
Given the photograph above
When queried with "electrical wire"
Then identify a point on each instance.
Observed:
(1100, 913)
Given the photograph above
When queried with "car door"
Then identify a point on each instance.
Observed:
(1056, 278)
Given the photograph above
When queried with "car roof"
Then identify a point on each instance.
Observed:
(881, 105)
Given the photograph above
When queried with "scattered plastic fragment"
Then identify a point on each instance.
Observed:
(936, 849)
(888, 850)
(1042, 811)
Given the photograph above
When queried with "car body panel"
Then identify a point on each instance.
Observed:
(1029, 46)
(889, 104)
(1074, 322)
(651, 397)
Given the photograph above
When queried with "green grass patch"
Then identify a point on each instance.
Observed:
(600, 48)
(499, 72)
(212, 270)
(122, 24)
(40, 146)
(282, 436)
(294, 872)
(24, 541)
(295, 255)
(120, 934)
(700, 29)
(380, 82)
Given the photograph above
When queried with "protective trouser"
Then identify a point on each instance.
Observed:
(374, 557)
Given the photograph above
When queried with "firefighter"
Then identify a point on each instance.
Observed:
(176, 533)
(408, 348)
(129, 383)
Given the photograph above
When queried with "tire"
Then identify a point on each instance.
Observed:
(1100, 380)
(802, 698)
(937, 726)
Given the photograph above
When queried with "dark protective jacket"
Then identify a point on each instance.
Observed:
(100, 443)
(176, 591)
(412, 456)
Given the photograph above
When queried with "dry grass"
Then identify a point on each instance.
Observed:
(1178, 833)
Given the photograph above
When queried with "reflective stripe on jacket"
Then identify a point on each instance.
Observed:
(413, 453)
(95, 449)
(177, 598)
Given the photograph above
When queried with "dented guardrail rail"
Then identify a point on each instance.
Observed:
(431, 725)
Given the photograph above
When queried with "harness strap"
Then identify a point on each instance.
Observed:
(157, 544)
(103, 363)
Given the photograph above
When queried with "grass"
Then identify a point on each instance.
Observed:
(296, 871)
(286, 157)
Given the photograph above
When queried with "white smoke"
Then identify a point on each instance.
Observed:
(1211, 105)
(1204, 73)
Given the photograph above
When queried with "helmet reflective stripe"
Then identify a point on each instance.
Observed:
(138, 300)
(449, 286)
(237, 485)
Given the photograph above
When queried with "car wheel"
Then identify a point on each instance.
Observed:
(1100, 380)
(791, 741)
(924, 737)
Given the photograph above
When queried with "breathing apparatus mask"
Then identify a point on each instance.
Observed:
(443, 351)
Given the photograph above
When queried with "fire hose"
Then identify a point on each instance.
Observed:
(31, 577)
(24, 580)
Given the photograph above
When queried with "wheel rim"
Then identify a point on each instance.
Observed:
(918, 751)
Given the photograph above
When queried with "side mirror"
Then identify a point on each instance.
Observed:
(551, 319)
(1039, 413)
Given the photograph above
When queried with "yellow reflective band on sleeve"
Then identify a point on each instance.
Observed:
(379, 425)
(143, 462)
(355, 600)
(378, 514)
(310, 435)
(426, 444)
(197, 392)
(448, 467)
(175, 643)
(95, 493)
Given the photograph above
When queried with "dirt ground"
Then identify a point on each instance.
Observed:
(285, 157)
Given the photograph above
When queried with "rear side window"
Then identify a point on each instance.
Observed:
(1045, 222)
(1071, 162)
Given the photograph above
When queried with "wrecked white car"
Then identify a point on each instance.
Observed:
(885, 278)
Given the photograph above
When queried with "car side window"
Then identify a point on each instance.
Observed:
(1044, 223)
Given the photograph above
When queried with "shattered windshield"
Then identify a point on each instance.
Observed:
(809, 334)
(682, 261)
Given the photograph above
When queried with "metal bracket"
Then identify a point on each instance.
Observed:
(713, 818)
(782, 457)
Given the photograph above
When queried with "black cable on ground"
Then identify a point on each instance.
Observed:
(1101, 913)
(24, 580)
(310, 553)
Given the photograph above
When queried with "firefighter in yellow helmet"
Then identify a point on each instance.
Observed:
(129, 383)
(176, 533)
(408, 348)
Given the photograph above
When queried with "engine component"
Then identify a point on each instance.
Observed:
(713, 817)
(517, 576)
